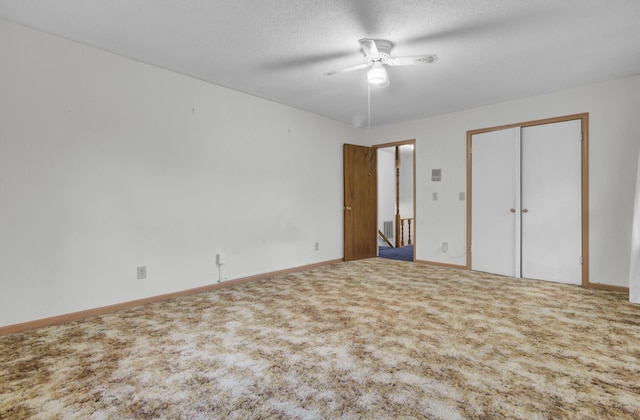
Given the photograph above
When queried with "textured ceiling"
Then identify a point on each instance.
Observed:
(490, 50)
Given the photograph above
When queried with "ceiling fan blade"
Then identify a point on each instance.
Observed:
(346, 69)
(408, 61)
(369, 48)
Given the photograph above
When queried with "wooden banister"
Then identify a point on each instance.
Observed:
(402, 222)
(385, 239)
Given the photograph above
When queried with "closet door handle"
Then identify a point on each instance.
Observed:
(525, 210)
(513, 210)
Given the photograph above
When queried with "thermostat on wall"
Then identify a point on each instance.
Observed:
(436, 175)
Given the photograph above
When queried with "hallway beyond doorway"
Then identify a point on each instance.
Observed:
(404, 253)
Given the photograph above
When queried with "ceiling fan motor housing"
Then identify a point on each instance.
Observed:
(384, 49)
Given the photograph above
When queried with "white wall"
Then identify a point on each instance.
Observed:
(614, 142)
(386, 187)
(634, 269)
(406, 183)
(107, 164)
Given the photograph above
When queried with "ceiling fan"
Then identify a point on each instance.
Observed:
(377, 52)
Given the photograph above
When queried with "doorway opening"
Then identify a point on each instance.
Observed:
(396, 200)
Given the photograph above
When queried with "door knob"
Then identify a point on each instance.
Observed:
(513, 210)
(525, 210)
(347, 208)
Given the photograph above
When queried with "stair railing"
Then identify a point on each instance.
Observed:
(402, 224)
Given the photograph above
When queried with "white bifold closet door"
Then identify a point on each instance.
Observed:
(495, 181)
(527, 193)
(552, 202)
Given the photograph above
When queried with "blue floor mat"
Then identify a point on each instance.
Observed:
(404, 253)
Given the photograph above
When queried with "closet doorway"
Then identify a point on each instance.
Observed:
(528, 204)
(396, 200)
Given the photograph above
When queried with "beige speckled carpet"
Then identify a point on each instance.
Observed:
(365, 339)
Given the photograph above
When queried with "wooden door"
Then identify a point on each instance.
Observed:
(360, 202)
(495, 209)
(552, 202)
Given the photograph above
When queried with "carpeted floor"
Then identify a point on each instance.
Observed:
(404, 253)
(366, 339)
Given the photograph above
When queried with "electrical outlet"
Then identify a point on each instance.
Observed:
(434, 196)
(445, 246)
(316, 246)
(141, 272)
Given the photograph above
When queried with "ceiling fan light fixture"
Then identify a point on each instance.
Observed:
(377, 76)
